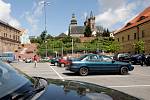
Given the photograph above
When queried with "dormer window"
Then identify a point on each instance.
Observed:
(128, 24)
(141, 18)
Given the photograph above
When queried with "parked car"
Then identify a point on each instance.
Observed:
(15, 86)
(45, 59)
(63, 62)
(28, 60)
(147, 60)
(54, 61)
(7, 56)
(123, 57)
(98, 63)
(137, 58)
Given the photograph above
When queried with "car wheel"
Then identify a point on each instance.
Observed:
(83, 71)
(55, 63)
(124, 70)
(62, 65)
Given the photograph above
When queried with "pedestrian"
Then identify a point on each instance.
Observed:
(142, 59)
(35, 60)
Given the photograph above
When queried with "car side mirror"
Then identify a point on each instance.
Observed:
(113, 61)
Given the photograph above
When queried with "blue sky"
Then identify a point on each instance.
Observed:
(29, 14)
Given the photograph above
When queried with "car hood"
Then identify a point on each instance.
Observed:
(75, 90)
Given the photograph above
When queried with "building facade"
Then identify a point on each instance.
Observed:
(134, 31)
(9, 37)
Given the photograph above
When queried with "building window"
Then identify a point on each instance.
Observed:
(18, 38)
(128, 37)
(122, 39)
(118, 39)
(134, 35)
(14, 37)
(142, 33)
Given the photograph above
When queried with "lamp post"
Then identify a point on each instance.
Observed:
(62, 51)
(72, 47)
(46, 49)
(45, 3)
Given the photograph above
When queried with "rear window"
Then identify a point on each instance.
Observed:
(123, 55)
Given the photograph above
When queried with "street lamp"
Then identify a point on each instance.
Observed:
(62, 51)
(45, 3)
(72, 47)
(46, 49)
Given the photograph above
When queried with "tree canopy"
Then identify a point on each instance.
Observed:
(87, 32)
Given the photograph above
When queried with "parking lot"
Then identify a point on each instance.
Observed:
(136, 83)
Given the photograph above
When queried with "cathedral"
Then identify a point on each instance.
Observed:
(78, 31)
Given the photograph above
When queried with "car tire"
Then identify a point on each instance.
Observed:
(55, 63)
(62, 65)
(124, 70)
(83, 71)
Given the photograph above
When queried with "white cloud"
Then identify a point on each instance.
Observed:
(66, 32)
(85, 15)
(118, 11)
(5, 14)
(32, 16)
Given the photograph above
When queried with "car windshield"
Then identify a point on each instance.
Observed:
(10, 81)
(82, 57)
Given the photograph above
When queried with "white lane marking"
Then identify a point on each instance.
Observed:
(95, 76)
(56, 72)
(128, 86)
(142, 75)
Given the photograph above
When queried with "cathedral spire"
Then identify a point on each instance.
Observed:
(91, 15)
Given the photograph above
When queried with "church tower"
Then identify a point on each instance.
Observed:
(73, 23)
(73, 20)
(92, 21)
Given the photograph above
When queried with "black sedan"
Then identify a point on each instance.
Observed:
(147, 60)
(14, 86)
(137, 58)
(123, 57)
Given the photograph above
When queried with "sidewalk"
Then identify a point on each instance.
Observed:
(42, 69)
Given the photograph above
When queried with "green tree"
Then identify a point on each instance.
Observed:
(106, 33)
(43, 35)
(49, 36)
(87, 31)
(139, 46)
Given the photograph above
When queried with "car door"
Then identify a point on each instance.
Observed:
(94, 62)
(108, 64)
(91, 62)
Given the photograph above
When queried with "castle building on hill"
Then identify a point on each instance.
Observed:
(78, 31)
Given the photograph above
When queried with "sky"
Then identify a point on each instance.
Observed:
(29, 14)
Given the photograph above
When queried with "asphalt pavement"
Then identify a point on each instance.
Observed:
(136, 83)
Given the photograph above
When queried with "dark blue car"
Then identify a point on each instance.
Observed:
(98, 63)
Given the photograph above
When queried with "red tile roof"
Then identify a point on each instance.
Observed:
(141, 18)
(29, 53)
